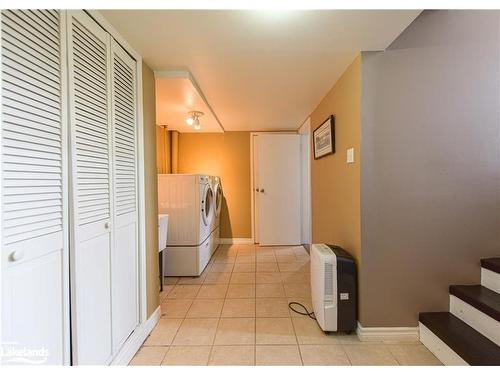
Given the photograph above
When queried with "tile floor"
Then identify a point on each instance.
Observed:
(236, 313)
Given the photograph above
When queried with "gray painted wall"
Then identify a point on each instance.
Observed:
(430, 164)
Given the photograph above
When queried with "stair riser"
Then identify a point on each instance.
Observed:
(490, 280)
(484, 324)
(437, 347)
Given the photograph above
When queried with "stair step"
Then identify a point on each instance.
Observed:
(490, 273)
(470, 345)
(492, 264)
(483, 299)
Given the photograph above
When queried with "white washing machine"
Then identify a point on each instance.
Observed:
(189, 201)
(218, 197)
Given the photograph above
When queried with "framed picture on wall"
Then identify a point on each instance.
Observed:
(324, 138)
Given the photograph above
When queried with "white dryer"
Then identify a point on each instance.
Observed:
(218, 198)
(189, 201)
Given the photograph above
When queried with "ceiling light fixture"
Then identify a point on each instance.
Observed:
(194, 119)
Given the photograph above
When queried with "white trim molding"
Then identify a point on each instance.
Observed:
(236, 241)
(136, 339)
(397, 334)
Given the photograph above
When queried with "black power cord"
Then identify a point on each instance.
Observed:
(306, 313)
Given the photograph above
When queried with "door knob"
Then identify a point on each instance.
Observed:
(107, 225)
(257, 190)
(261, 190)
(16, 255)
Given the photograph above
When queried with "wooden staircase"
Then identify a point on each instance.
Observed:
(469, 334)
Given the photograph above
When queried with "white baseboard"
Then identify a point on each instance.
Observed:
(136, 339)
(395, 334)
(236, 241)
(437, 347)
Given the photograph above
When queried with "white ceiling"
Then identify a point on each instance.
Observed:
(176, 95)
(259, 70)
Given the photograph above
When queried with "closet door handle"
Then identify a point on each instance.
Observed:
(16, 255)
(107, 225)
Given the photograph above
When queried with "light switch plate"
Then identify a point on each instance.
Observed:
(350, 155)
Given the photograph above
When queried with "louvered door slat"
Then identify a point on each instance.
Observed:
(91, 111)
(124, 134)
(20, 107)
(33, 187)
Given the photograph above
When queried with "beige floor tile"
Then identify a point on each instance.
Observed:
(264, 251)
(187, 356)
(277, 331)
(166, 290)
(221, 267)
(297, 291)
(267, 267)
(243, 278)
(295, 277)
(149, 356)
(370, 355)
(163, 333)
(263, 258)
(196, 280)
(225, 259)
(217, 278)
(294, 267)
(413, 355)
(344, 338)
(244, 267)
(170, 280)
(280, 251)
(241, 291)
(324, 355)
(235, 331)
(270, 290)
(175, 308)
(286, 258)
(300, 251)
(308, 331)
(245, 258)
(184, 291)
(239, 308)
(272, 308)
(277, 355)
(268, 278)
(205, 308)
(212, 291)
(225, 253)
(245, 248)
(232, 356)
(304, 301)
(199, 331)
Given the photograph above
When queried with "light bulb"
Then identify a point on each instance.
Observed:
(197, 125)
(190, 121)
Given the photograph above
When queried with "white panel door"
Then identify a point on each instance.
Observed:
(279, 189)
(91, 180)
(124, 262)
(35, 283)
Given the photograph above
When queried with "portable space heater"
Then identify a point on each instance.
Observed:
(333, 288)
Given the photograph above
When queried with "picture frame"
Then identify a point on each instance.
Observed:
(324, 138)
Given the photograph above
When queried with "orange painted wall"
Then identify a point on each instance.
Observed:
(226, 155)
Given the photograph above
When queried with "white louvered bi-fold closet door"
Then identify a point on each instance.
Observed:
(92, 184)
(33, 187)
(124, 269)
